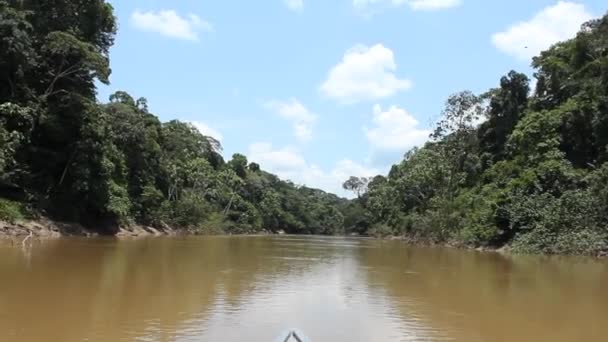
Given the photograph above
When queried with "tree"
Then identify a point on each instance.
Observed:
(239, 165)
(17, 55)
(254, 167)
(358, 185)
(16, 123)
(507, 104)
(461, 114)
(72, 61)
(456, 140)
(136, 134)
(49, 67)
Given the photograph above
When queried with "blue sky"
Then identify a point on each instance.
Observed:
(318, 90)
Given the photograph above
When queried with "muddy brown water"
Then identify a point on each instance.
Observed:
(255, 288)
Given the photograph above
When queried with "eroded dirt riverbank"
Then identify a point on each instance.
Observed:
(45, 228)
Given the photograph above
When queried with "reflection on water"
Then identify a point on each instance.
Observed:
(332, 289)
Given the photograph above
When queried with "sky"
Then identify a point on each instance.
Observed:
(316, 91)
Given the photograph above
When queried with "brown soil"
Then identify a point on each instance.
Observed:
(45, 228)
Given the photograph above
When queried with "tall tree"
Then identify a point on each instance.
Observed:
(507, 104)
(358, 185)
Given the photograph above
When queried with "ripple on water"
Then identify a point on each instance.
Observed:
(253, 288)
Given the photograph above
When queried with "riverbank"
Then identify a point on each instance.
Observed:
(45, 228)
(417, 241)
(504, 249)
(42, 228)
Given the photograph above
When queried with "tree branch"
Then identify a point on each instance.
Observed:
(27, 238)
(62, 74)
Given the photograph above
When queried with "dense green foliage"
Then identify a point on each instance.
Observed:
(532, 175)
(11, 211)
(64, 154)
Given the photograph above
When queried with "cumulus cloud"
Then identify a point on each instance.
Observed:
(170, 24)
(283, 161)
(416, 5)
(294, 5)
(207, 130)
(394, 129)
(552, 24)
(289, 164)
(294, 111)
(365, 73)
(346, 168)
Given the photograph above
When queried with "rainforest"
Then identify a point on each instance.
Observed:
(523, 165)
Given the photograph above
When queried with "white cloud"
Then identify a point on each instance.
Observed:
(395, 129)
(294, 5)
(346, 168)
(170, 24)
(294, 111)
(282, 161)
(433, 5)
(416, 5)
(289, 164)
(207, 130)
(365, 73)
(552, 24)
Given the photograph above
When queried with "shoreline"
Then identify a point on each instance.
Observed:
(45, 228)
(417, 241)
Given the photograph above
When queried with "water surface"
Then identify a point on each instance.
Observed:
(333, 289)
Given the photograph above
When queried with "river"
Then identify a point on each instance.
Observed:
(332, 289)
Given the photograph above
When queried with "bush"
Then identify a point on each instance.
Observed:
(580, 242)
(479, 216)
(191, 210)
(380, 230)
(584, 242)
(11, 211)
(215, 224)
(477, 234)
(570, 224)
(153, 208)
(597, 185)
(436, 225)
